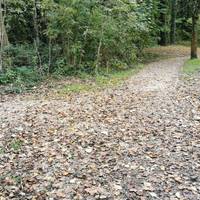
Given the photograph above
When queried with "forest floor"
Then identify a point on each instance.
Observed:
(139, 140)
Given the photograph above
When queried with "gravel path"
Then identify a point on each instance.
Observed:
(138, 141)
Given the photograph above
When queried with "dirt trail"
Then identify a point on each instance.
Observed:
(138, 141)
(157, 76)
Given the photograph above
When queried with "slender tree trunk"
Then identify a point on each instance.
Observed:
(82, 50)
(163, 33)
(194, 36)
(37, 37)
(99, 52)
(173, 22)
(50, 54)
(3, 34)
(98, 56)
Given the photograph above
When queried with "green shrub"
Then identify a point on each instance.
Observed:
(21, 74)
(20, 55)
(19, 79)
(28, 75)
(8, 77)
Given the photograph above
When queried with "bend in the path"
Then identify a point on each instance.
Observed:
(159, 76)
(137, 141)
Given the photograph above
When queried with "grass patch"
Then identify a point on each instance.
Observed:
(76, 88)
(100, 81)
(116, 77)
(191, 66)
(16, 145)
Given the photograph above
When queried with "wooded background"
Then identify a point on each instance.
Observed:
(66, 36)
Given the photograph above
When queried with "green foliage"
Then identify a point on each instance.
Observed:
(20, 55)
(79, 37)
(93, 33)
(8, 77)
(19, 18)
(19, 79)
(191, 66)
(20, 75)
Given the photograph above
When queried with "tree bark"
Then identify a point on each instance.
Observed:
(50, 55)
(194, 36)
(163, 34)
(99, 51)
(173, 22)
(37, 37)
(98, 56)
(3, 34)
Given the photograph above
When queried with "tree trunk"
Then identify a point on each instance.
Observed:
(99, 51)
(98, 56)
(194, 37)
(37, 37)
(173, 22)
(163, 33)
(50, 55)
(3, 34)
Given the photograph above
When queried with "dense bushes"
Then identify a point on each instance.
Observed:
(98, 34)
(77, 34)
(20, 78)
(20, 55)
(68, 37)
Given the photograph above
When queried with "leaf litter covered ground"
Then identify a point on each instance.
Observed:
(136, 141)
